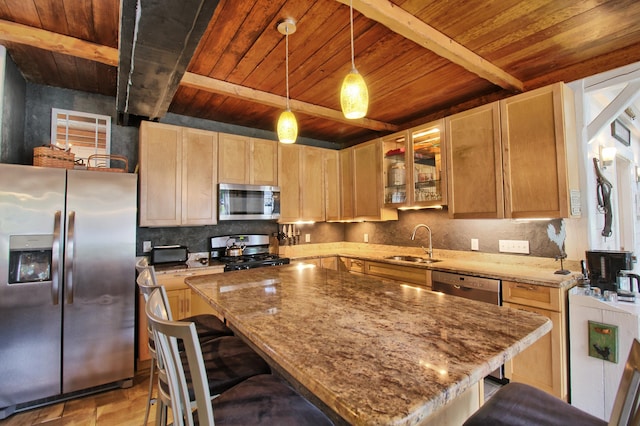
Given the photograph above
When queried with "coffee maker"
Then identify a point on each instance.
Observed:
(608, 267)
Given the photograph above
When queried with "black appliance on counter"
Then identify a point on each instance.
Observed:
(606, 267)
(239, 252)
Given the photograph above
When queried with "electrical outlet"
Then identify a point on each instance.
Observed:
(475, 244)
(366, 238)
(513, 246)
(146, 246)
(307, 238)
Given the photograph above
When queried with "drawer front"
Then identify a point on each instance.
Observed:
(532, 295)
(396, 272)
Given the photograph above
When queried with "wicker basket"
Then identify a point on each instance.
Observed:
(99, 162)
(52, 156)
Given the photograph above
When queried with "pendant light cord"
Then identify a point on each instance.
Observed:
(287, 62)
(353, 62)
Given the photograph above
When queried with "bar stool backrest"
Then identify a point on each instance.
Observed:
(166, 334)
(626, 406)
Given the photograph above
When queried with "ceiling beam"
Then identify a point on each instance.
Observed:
(626, 97)
(157, 40)
(402, 22)
(71, 46)
(58, 43)
(209, 84)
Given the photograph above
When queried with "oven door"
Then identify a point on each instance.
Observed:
(248, 202)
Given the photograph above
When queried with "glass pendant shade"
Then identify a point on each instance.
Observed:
(287, 127)
(354, 96)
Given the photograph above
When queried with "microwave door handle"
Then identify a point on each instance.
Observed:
(55, 258)
(70, 256)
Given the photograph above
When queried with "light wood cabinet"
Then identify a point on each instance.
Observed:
(544, 364)
(367, 183)
(538, 139)
(510, 158)
(346, 184)
(178, 175)
(475, 184)
(329, 262)
(246, 160)
(302, 183)
(332, 185)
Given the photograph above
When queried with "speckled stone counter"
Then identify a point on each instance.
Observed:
(374, 352)
(525, 269)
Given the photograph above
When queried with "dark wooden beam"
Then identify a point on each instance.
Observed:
(157, 40)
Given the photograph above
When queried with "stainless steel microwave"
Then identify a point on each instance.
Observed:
(248, 202)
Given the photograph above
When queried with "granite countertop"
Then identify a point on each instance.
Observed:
(537, 271)
(375, 352)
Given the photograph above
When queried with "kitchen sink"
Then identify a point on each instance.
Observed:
(413, 259)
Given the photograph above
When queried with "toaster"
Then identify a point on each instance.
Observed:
(169, 254)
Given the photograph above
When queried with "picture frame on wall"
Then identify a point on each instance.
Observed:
(621, 132)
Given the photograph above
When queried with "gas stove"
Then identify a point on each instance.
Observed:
(255, 252)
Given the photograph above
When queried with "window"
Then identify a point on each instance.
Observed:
(83, 133)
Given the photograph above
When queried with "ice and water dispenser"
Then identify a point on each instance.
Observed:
(30, 258)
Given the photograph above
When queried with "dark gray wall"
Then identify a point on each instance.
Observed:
(456, 234)
(447, 234)
(13, 104)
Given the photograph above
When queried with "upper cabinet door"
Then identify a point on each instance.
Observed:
(538, 127)
(160, 174)
(263, 156)
(289, 179)
(346, 184)
(199, 177)
(233, 155)
(428, 164)
(396, 169)
(332, 185)
(474, 160)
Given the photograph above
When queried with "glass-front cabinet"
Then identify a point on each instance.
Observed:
(395, 165)
(414, 167)
(428, 165)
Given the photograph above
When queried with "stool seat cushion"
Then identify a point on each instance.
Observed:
(227, 361)
(265, 400)
(517, 404)
(209, 326)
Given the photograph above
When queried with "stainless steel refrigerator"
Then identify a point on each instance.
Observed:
(67, 282)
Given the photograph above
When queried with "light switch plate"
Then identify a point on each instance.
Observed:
(366, 238)
(307, 238)
(475, 245)
(146, 246)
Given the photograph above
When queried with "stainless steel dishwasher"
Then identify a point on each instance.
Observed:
(470, 287)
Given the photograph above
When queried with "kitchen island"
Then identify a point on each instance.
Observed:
(373, 352)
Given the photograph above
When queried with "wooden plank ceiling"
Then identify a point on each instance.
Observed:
(421, 59)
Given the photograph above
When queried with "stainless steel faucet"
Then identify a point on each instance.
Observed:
(413, 237)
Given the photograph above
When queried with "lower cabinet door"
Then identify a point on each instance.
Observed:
(543, 364)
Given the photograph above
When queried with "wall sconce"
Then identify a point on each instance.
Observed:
(607, 155)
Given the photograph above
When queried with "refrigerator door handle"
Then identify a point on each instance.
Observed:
(55, 258)
(70, 256)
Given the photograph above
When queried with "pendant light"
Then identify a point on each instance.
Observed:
(354, 96)
(287, 125)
